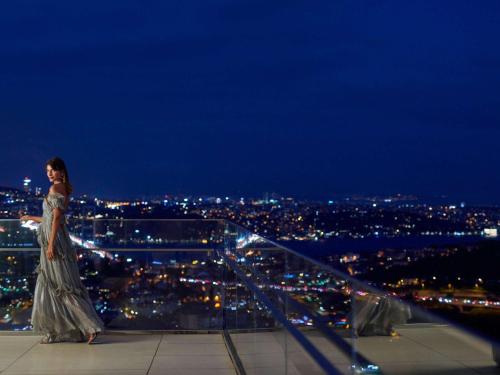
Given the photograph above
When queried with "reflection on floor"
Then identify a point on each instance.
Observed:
(418, 350)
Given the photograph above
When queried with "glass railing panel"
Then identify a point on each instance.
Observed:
(256, 256)
(274, 349)
(14, 234)
(146, 290)
(257, 336)
(381, 332)
(242, 311)
(266, 268)
(168, 290)
(172, 288)
(17, 284)
(262, 347)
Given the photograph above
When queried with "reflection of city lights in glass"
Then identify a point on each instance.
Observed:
(200, 281)
(103, 254)
(248, 239)
(27, 224)
(85, 244)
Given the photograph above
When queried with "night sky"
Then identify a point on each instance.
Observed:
(304, 98)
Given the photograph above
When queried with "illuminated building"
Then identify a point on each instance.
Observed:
(27, 184)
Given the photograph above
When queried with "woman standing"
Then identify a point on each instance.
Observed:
(62, 309)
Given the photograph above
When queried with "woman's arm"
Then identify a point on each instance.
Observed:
(56, 221)
(37, 219)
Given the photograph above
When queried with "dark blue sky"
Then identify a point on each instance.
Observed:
(308, 99)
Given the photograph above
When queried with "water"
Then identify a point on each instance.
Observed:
(327, 247)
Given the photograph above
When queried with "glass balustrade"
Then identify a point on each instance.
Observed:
(280, 311)
(351, 323)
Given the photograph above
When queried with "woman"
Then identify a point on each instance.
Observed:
(62, 309)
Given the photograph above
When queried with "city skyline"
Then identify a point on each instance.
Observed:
(239, 99)
(29, 187)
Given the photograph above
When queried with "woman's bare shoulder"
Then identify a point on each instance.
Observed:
(58, 189)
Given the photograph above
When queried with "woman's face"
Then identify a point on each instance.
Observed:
(54, 175)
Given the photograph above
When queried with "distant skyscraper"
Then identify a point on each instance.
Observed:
(38, 191)
(27, 184)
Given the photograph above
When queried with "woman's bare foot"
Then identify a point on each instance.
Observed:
(47, 339)
(92, 338)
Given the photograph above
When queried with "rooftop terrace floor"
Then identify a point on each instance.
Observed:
(117, 354)
(424, 350)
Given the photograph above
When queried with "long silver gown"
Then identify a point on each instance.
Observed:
(62, 309)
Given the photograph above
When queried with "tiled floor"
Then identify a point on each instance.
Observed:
(418, 350)
(118, 354)
(421, 350)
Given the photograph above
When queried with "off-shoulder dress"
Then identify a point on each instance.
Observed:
(62, 309)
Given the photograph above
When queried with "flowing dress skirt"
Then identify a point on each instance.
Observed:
(62, 309)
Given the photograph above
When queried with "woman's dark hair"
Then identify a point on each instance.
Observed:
(58, 164)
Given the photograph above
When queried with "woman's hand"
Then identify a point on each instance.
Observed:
(51, 255)
(22, 215)
(37, 219)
